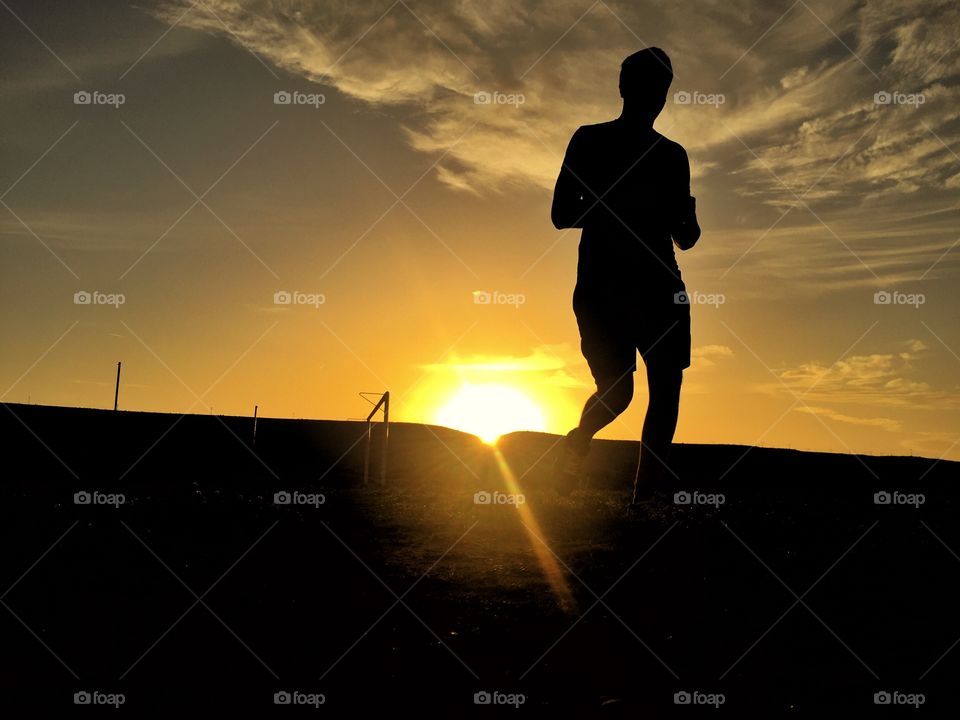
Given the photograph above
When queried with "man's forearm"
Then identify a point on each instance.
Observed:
(687, 230)
(568, 210)
(566, 217)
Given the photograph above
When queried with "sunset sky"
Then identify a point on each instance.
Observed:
(823, 139)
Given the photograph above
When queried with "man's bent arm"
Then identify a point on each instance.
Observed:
(686, 229)
(570, 202)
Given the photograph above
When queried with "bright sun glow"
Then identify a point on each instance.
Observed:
(490, 410)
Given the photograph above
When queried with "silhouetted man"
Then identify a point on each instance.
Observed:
(628, 188)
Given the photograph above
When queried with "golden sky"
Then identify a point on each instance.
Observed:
(823, 139)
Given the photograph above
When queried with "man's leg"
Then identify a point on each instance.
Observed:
(611, 355)
(658, 426)
(611, 398)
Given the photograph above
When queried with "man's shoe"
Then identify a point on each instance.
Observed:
(568, 470)
(650, 477)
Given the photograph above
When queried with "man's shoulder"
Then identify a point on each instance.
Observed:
(598, 127)
(595, 130)
(670, 146)
(611, 129)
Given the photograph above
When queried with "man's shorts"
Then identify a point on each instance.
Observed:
(614, 329)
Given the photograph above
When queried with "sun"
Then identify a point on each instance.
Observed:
(490, 410)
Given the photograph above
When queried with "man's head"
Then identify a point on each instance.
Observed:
(645, 78)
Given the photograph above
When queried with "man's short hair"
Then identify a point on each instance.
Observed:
(646, 72)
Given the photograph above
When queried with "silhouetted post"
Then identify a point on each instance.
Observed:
(116, 392)
(383, 402)
(366, 456)
(386, 436)
(254, 441)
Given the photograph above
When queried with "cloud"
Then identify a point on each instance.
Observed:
(914, 348)
(708, 355)
(877, 422)
(797, 97)
(862, 250)
(879, 379)
(799, 126)
(547, 365)
(431, 58)
(809, 115)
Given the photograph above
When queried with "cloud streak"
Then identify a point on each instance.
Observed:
(804, 106)
(878, 380)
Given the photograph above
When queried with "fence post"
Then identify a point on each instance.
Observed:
(384, 403)
(116, 392)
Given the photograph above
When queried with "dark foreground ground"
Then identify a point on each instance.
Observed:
(199, 593)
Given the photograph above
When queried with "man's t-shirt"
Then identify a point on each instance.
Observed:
(631, 187)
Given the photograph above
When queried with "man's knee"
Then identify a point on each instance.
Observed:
(616, 394)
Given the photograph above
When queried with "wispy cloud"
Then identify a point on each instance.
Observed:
(798, 129)
(708, 355)
(878, 380)
(800, 109)
(877, 422)
(548, 365)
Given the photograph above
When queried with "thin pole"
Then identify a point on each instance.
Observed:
(366, 456)
(116, 392)
(255, 424)
(386, 436)
(384, 403)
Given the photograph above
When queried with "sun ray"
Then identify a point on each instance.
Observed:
(552, 571)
